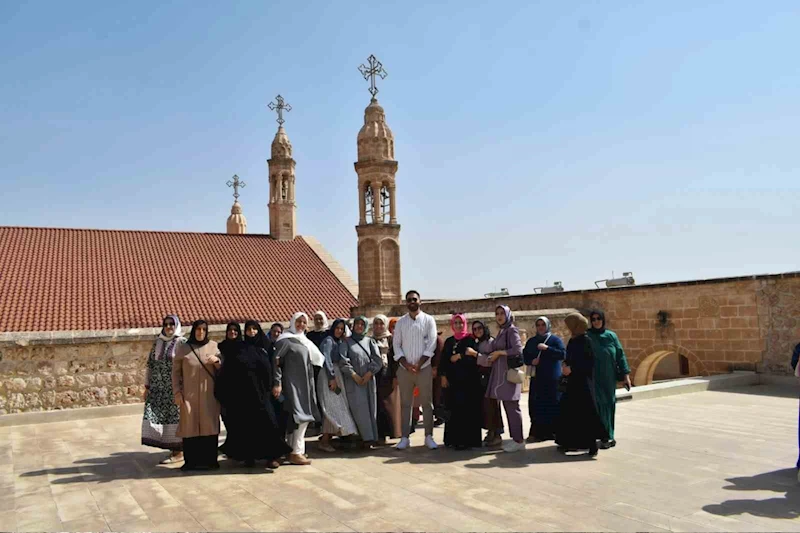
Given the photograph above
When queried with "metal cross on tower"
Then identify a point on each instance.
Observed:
(375, 68)
(280, 107)
(236, 183)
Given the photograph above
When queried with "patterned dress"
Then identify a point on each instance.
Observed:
(161, 415)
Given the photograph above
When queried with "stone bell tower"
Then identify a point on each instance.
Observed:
(378, 230)
(282, 207)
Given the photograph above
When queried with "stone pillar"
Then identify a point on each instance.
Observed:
(392, 208)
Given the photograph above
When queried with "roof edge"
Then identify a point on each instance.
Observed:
(105, 230)
(332, 264)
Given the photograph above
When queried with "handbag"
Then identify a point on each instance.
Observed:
(515, 375)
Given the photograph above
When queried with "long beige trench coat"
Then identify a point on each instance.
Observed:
(194, 390)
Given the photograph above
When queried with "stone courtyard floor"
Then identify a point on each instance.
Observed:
(708, 461)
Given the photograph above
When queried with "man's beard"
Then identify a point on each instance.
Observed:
(413, 307)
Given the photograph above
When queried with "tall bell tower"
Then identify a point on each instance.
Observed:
(282, 206)
(378, 230)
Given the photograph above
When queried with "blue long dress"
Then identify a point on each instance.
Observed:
(544, 385)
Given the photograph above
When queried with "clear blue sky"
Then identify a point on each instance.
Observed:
(537, 141)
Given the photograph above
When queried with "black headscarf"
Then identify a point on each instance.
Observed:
(602, 316)
(193, 339)
(224, 345)
(273, 325)
(333, 328)
(259, 339)
(486, 334)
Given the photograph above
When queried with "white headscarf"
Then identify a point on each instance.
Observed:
(317, 359)
(177, 328)
(163, 341)
(325, 324)
(385, 321)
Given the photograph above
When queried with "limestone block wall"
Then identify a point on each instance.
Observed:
(62, 370)
(748, 323)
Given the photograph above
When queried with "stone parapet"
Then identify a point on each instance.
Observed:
(44, 371)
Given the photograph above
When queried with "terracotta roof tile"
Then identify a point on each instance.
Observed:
(77, 279)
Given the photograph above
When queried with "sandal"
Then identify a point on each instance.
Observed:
(172, 459)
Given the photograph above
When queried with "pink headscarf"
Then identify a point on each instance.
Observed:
(464, 332)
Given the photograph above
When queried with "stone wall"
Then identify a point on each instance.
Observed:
(748, 323)
(62, 370)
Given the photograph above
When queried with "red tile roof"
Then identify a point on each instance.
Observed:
(75, 279)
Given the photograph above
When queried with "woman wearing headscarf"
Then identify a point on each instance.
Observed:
(492, 419)
(294, 360)
(506, 345)
(359, 363)
(194, 371)
(161, 415)
(389, 412)
(275, 331)
(461, 382)
(245, 392)
(233, 335)
(331, 393)
(545, 352)
(612, 366)
(320, 329)
(579, 424)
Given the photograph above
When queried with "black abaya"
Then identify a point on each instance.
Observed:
(244, 388)
(579, 424)
(463, 395)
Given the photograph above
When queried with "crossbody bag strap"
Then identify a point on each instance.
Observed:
(544, 342)
(203, 365)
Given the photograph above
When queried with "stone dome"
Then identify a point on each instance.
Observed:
(237, 223)
(375, 140)
(281, 147)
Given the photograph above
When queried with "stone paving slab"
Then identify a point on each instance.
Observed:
(707, 461)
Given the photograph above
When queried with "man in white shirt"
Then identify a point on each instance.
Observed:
(414, 343)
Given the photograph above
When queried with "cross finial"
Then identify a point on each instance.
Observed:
(280, 107)
(236, 183)
(375, 68)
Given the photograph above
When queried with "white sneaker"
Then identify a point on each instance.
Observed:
(403, 444)
(513, 446)
(430, 443)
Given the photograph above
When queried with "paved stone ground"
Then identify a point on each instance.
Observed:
(710, 461)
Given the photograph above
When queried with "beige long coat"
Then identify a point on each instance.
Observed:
(194, 390)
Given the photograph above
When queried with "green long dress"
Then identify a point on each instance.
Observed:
(609, 358)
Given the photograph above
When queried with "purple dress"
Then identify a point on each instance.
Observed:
(499, 387)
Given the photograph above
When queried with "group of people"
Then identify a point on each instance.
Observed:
(366, 386)
(572, 395)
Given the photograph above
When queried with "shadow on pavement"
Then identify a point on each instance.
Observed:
(785, 507)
